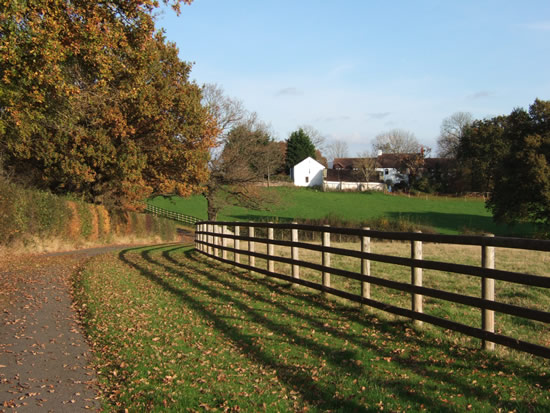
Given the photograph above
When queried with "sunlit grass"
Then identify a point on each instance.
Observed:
(172, 330)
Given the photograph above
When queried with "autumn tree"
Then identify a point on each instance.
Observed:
(94, 101)
(298, 148)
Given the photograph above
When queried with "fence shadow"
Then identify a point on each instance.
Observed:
(221, 285)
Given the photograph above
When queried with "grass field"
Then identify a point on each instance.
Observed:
(173, 331)
(445, 215)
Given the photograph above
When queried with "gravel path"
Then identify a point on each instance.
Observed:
(44, 356)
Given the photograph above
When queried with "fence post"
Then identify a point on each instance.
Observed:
(224, 242)
(365, 265)
(416, 277)
(326, 258)
(488, 293)
(251, 248)
(270, 250)
(295, 253)
(216, 239)
(210, 239)
(237, 245)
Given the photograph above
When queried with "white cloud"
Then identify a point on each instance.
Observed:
(289, 91)
(539, 26)
(480, 95)
(379, 115)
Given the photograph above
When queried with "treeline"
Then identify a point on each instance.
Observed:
(507, 157)
(28, 216)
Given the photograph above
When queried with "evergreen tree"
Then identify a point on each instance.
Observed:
(298, 148)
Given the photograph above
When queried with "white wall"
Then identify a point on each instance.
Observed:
(309, 172)
(353, 186)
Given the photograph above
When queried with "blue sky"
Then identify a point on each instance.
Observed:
(356, 68)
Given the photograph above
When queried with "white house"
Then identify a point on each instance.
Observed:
(309, 172)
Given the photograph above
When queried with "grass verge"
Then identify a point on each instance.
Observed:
(172, 331)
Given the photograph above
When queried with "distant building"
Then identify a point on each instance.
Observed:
(308, 172)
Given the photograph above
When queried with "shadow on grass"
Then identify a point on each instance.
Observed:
(464, 223)
(209, 276)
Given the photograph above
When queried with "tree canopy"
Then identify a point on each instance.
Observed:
(298, 148)
(95, 101)
(521, 189)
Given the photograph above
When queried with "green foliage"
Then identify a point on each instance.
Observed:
(298, 148)
(522, 192)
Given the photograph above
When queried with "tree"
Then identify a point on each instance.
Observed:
(272, 159)
(522, 191)
(239, 165)
(317, 139)
(365, 165)
(397, 141)
(481, 148)
(95, 102)
(337, 149)
(452, 131)
(298, 148)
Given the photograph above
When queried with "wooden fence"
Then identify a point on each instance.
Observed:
(176, 216)
(211, 239)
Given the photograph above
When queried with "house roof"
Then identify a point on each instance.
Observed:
(386, 160)
(311, 159)
(347, 175)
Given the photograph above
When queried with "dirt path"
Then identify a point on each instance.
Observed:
(43, 353)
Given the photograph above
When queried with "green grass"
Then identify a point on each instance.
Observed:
(445, 215)
(172, 331)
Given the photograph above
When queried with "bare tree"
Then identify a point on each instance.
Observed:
(227, 111)
(365, 165)
(397, 141)
(337, 149)
(315, 136)
(452, 130)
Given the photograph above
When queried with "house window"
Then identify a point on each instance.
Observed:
(307, 179)
(386, 172)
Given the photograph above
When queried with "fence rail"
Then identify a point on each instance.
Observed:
(176, 216)
(211, 239)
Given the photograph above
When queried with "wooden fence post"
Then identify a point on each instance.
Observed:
(224, 242)
(416, 277)
(488, 293)
(210, 239)
(270, 250)
(365, 265)
(295, 253)
(326, 258)
(237, 245)
(251, 248)
(216, 239)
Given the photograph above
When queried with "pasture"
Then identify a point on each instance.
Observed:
(444, 215)
(174, 331)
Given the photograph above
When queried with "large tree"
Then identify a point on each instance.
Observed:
(521, 190)
(337, 149)
(298, 148)
(94, 101)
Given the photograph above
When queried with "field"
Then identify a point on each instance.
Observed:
(174, 331)
(445, 215)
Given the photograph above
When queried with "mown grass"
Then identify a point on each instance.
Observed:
(172, 331)
(446, 215)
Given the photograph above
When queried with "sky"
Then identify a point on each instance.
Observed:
(353, 69)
